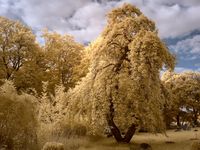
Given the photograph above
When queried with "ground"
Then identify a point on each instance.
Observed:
(180, 140)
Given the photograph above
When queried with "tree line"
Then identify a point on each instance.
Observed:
(28, 63)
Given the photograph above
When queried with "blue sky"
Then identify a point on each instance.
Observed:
(178, 21)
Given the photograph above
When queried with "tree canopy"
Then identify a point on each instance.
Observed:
(122, 87)
(62, 58)
(17, 45)
(185, 92)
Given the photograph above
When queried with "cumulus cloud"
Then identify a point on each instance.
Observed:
(86, 18)
(88, 21)
(173, 17)
(49, 13)
(9, 9)
(188, 48)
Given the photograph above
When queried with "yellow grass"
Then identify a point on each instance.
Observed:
(182, 141)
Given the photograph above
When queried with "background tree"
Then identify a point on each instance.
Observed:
(27, 64)
(62, 58)
(122, 88)
(30, 76)
(185, 91)
(17, 44)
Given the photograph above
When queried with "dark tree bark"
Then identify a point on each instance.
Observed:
(195, 118)
(178, 121)
(110, 116)
(117, 134)
(129, 134)
(115, 130)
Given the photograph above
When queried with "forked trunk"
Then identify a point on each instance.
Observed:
(117, 134)
(129, 134)
(115, 130)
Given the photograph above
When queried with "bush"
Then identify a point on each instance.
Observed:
(53, 146)
(79, 130)
(62, 129)
(17, 121)
(195, 145)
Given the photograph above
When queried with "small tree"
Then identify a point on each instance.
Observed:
(122, 87)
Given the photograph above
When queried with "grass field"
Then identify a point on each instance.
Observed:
(181, 140)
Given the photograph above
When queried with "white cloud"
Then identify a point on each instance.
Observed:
(89, 21)
(49, 13)
(173, 17)
(86, 18)
(4, 5)
(189, 47)
(182, 2)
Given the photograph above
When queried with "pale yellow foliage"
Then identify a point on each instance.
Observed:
(52, 107)
(124, 72)
(184, 86)
(62, 59)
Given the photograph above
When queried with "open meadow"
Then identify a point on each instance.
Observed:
(181, 140)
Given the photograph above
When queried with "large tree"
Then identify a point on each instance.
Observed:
(17, 44)
(122, 88)
(185, 91)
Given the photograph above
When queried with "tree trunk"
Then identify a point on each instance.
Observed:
(114, 129)
(178, 121)
(195, 118)
(117, 134)
(129, 134)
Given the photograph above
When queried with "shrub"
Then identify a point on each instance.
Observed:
(53, 146)
(79, 130)
(195, 145)
(63, 129)
(56, 134)
(17, 121)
